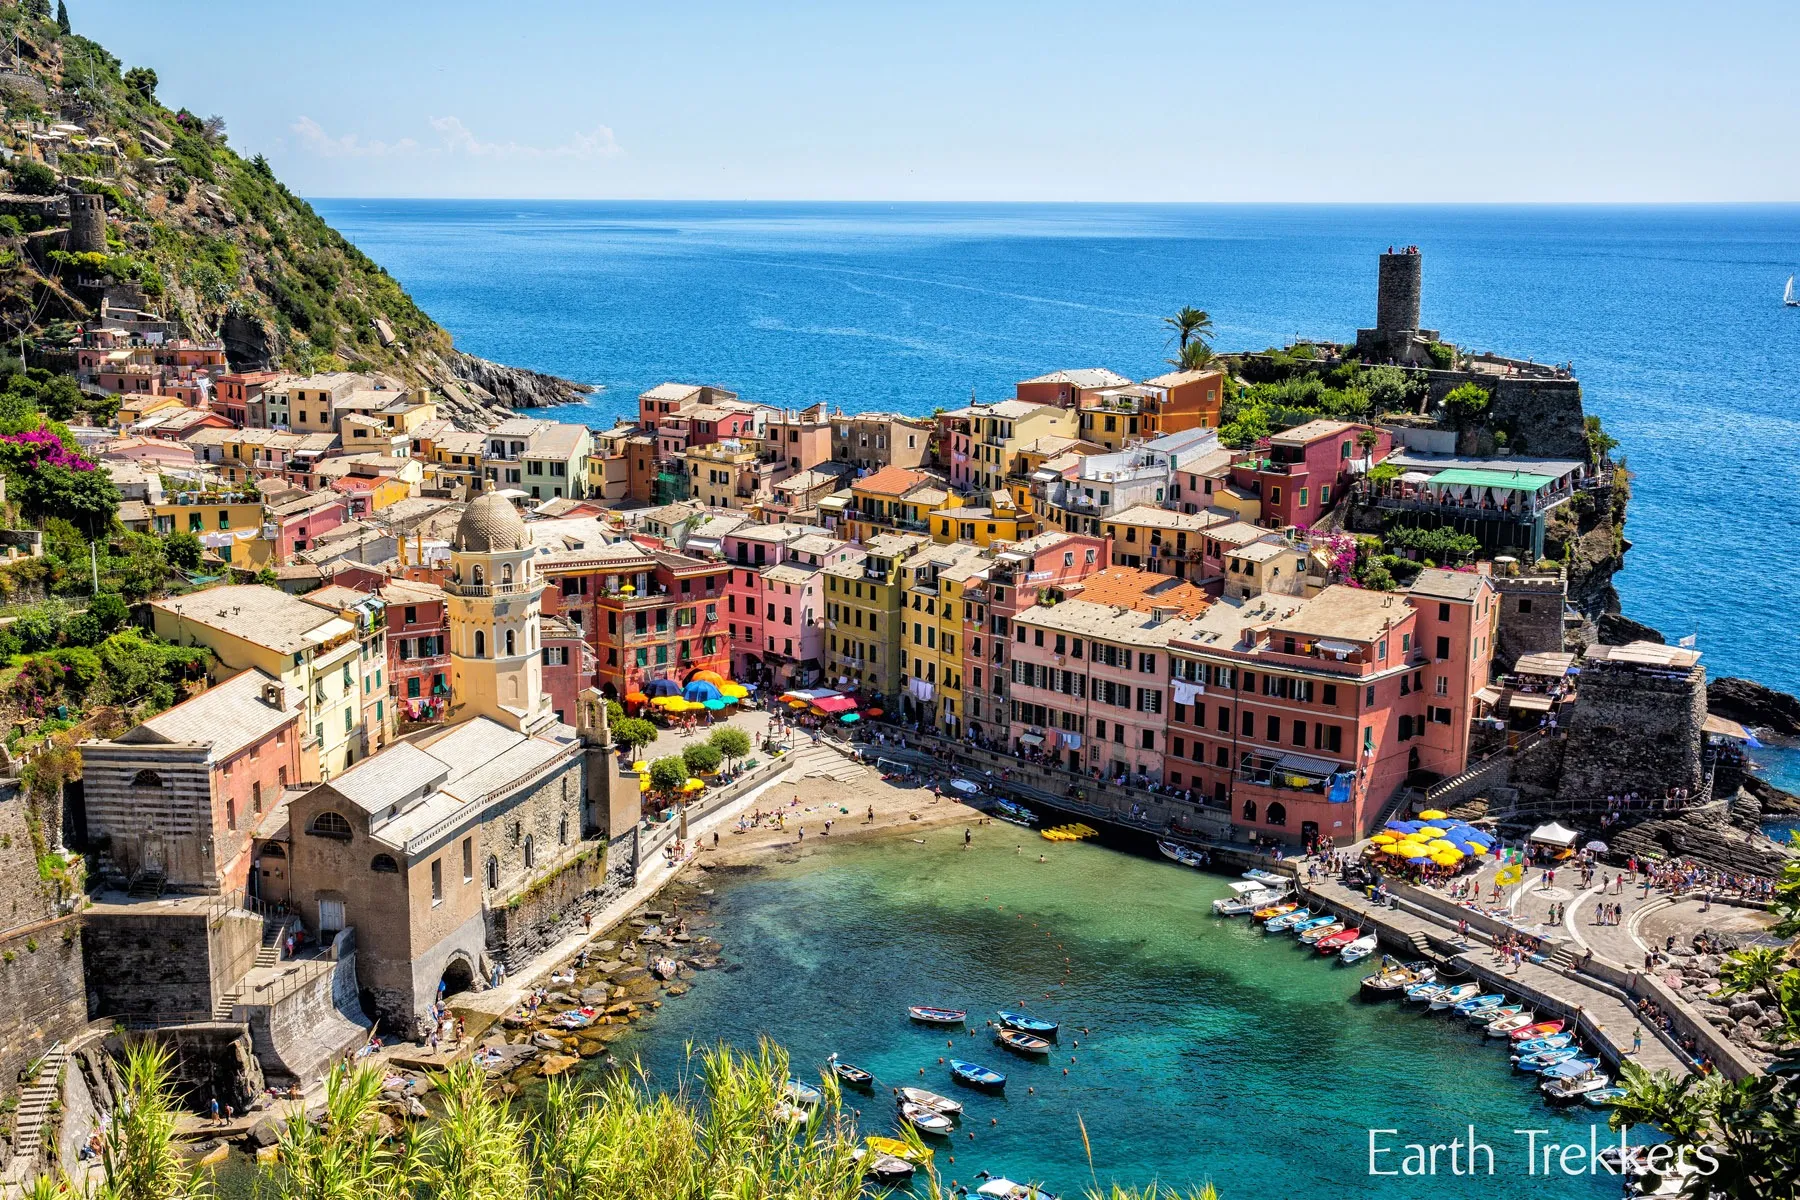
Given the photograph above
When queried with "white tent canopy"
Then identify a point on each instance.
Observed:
(1554, 834)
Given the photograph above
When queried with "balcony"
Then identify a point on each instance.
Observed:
(455, 588)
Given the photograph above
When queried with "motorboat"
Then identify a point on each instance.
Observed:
(1539, 1045)
(1287, 920)
(1504, 1026)
(1495, 1012)
(1006, 1189)
(1485, 1000)
(1028, 1024)
(1237, 906)
(1265, 876)
(851, 1075)
(1394, 977)
(1278, 909)
(926, 1120)
(1566, 1089)
(1332, 943)
(1423, 993)
(1015, 813)
(1539, 1030)
(1180, 854)
(1360, 949)
(974, 1075)
(1604, 1097)
(926, 1015)
(887, 1169)
(931, 1100)
(1452, 996)
(1020, 1042)
(1544, 1058)
(896, 1148)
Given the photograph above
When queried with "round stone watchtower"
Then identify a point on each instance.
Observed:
(1398, 283)
(87, 223)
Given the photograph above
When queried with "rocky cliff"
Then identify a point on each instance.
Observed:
(198, 233)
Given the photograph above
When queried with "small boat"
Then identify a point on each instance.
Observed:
(896, 1148)
(789, 1113)
(1332, 943)
(1544, 1058)
(1504, 1026)
(851, 1075)
(1262, 876)
(1017, 814)
(1360, 949)
(1540, 1030)
(1020, 1042)
(804, 1094)
(1279, 908)
(975, 1075)
(1027, 1024)
(1452, 996)
(883, 1168)
(931, 1100)
(926, 1015)
(926, 1120)
(1319, 933)
(1395, 977)
(1486, 1000)
(1237, 906)
(1006, 1189)
(1495, 1012)
(1421, 993)
(1312, 923)
(1287, 920)
(1603, 1097)
(1180, 854)
(1787, 295)
(1539, 1045)
(1568, 1088)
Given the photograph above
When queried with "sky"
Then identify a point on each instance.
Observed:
(1271, 100)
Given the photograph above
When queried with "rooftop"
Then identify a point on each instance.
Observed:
(1177, 378)
(1161, 518)
(262, 616)
(1083, 377)
(228, 717)
(1312, 431)
(1143, 591)
(1448, 585)
(890, 481)
(1353, 614)
(1109, 623)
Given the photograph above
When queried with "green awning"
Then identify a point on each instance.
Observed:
(1518, 481)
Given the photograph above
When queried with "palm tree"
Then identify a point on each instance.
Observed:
(1190, 324)
(1194, 356)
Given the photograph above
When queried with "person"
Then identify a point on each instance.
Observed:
(1637, 1040)
(1041, 858)
(215, 1110)
(871, 814)
(967, 837)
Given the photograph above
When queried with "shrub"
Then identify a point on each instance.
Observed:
(34, 178)
(632, 733)
(733, 743)
(1466, 402)
(1442, 356)
(668, 774)
(702, 758)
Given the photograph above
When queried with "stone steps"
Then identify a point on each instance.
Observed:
(34, 1109)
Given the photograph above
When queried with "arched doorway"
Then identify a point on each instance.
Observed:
(459, 976)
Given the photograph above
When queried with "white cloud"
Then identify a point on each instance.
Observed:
(459, 139)
(314, 138)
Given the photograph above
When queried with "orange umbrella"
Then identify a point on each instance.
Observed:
(712, 677)
(636, 698)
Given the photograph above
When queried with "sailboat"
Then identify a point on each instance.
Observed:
(1787, 297)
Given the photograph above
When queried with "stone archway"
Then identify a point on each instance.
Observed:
(459, 976)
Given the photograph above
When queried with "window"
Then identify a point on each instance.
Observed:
(331, 825)
(510, 643)
(256, 796)
(384, 864)
(1443, 648)
(493, 872)
(530, 852)
(146, 778)
(468, 855)
(1524, 604)
(437, 881)
(1277, 814)
(1275, 495)
(230, 813)
(480, 644)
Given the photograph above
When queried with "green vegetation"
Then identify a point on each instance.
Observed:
(1465, 403)
(702, 758)
(1600, 444)
(632, 733)
(1442, 356)
(731, 742)
(668, 774)
(1442, 547)
(33, 178)
(1190, 325)
(59, 664)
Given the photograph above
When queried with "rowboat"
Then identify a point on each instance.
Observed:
(883, 1168)
(1539, 1045)
(1180, 854)
(1021, 1043)
(926, 1015)
(1287, 919)
(1027, 1024)
(1319, 933)
(1332, 943)
(1505, 1025)
(851, 1075)
(1603, 1097)
(1394, 977)
(1451, 997)
(881, 1144)
(804, 1094)
(1486, 1000)
(1495, 1012)
(975, 1075)
(1017, 814)
(1277, 909)
(1006, 1189)
(1312, 923)
(926, 1120)
(1258, 873)
(1420, 993)
(1544, 1058)
(1360, 949)
(1539, 1030)
(931, 1100)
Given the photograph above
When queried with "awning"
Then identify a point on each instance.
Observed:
(1551, 663)
(1554, 834)
(1415, 477)
(1031, 739)
(1301, 764)
(1528, 702)
(1333, 646)
(831, 705)
(1724, 728)
(1489, 695)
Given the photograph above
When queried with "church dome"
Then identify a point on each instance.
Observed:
(490, 523)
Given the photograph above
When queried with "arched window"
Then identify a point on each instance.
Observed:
(562, 830)
(480, 644)
(510, 643)
(273, 850)
(506, 573)
(493, 872)
(146, 778)
(530, 853)
(329, 824)
(478, 574)
(1277, 814)
(384, 864)
(1249, 810)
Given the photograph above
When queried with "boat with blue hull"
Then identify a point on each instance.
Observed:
(1476, 1003)
(975, 1075)
(1025, 1023)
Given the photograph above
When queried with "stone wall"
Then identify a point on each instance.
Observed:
(212, 1060)
(308, 1017)
(1633, 731)
(1531, 616)
(41, 980)
(1544, 416)
(550, 909)
(167, 967)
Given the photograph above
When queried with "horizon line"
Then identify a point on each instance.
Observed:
(1469, 204)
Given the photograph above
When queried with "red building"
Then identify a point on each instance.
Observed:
(1306, 469)
(418, 649)
(234, 393)
(301, 519)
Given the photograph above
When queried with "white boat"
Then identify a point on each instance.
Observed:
(1787, 297)
(1450, 997)
(1247, 896)
(926, 1120)
(1180, 854)
(1360, 949)
(1567, 1089)
(1006, 1189)
(1505, 1025)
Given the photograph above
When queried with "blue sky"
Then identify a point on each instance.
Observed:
(998, 100)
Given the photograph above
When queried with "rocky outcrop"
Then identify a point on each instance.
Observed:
(1617, 629)
(1750, 703)
(479, 393)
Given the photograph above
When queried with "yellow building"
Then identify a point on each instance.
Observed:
(896, 499)
(932, 623)
(608, 470)
(1152, 538)
(230, 524)
(998, 431)
(1001, 520)
(1118, 416)
(263, 628)
(727, 474)
(135, 408)
(862, 616)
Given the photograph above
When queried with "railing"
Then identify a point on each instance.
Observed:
(456, 588)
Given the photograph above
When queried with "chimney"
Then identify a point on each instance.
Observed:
(275, 696)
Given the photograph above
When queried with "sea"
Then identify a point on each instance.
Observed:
(1192, 1048)
(1671, 317)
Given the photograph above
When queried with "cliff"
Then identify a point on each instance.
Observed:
(199, 234)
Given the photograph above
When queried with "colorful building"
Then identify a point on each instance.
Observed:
(863, 601)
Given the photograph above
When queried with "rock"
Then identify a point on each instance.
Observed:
(1744, 1031)
(606, 946)
(1719, 1019)
(512, 387)
(562, 998)
(676, 989)
(1617, 629)
(1707, 964)
(594, 995)
(1750, 703)
(1745, 1010)
(590, 1047)
(621, 1009)
(267, 1131)
(557, 1064)
(630, 975)
(545, 1041)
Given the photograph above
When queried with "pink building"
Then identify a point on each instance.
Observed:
(301, 520)
(800, 439)
(569, 666)
(1306, 469)
(418, 644)
(955, 449)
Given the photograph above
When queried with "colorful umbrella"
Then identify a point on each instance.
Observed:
(1404, 826)
(666, 701)
(735, 691)
(640, 765)
(874, 712)
(1432, 814)
(1385, 839)
(693, 785)
(715, 705)
(1440, 844)
(850, 718)
(662, 687)
(700, 691)
(712, 677)
(636, 698)
(1429, 831)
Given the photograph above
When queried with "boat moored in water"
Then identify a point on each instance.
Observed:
(927, 1015)
(1319, 933)
(931, 1100)
(1287, 920)
(803, 1094)
(1540, 1030)
(1604, 1097)
(1005, 1189)
(1473, 1003)
(1568, 1082)
(926, 1120)
(1395, 977)
(1025, 1023)
(971, 1074)
(1495, 1012)
(1504, 1026)
(1452, 996)
(1279, 909)
(1360, 949)
(1539, 1045)
(851, 1075)
(1543, 1059)
(1017, 814)
(1175, 852)
(1020, 1042)
(1263, 876)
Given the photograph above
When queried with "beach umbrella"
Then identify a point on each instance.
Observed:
(644, 783)
(665, 701)
(662, 687)
(1597, 847)
(1418, 858)
(1447, 858)
(700, 691)
(712, 677)
(1404, 826)
(636, 698)
(1432, 814)
(693, 785)
(1385, 839)
(734, 691)
(875, 712)
(1429, 831)
(1440, 844)
(714, 705)
(850, 718)
(797, 703)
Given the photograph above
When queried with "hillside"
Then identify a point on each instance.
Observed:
(196, 232)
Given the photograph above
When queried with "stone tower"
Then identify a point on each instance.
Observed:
(494, 596)
(87, 224)
(1399, 284)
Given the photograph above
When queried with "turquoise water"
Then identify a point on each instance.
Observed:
(1672, 317)
(1213, 1051)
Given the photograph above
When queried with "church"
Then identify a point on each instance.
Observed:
(465, 848)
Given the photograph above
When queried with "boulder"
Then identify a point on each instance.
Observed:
(557, 1064)
(545, 1041)
(594, 995)
(1745, 1010)
(267, 1131)
(1751, 703)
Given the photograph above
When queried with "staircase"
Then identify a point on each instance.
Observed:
(34, 1110)
(268, 955)
(1421, 943)
(147, 884)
